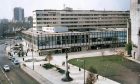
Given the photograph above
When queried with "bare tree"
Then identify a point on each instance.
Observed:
(49, 56)
(91, 78)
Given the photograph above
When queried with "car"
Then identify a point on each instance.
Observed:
(6, 68)
(13, 59)
(16, 62)
(6, 44)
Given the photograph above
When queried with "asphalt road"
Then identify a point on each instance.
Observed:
(15, 75)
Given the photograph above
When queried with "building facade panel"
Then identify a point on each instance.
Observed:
(86, 19)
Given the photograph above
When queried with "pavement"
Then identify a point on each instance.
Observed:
(51, 76)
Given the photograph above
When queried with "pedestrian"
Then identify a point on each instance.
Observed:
(26, 53)
(69, 67)
(97, 76)
(79, 69)
(23, 58)
(63, 63)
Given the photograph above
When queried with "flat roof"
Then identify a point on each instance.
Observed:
(36, 33)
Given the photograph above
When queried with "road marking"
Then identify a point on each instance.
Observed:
(6, 75)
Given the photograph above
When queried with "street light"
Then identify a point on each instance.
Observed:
(66, 78)
(84, 69)
(32, 49)
(84, 72)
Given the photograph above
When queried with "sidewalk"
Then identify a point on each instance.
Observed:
(35, 75)
(53, 77)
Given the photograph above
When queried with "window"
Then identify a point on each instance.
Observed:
(138, 1)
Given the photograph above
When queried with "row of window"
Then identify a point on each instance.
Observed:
(98, 18)
(46, 18)
(69, 18)
(94, 14)
(45, 14)
(68, 22)
(114, 21)
(97, 25)
(46, 22)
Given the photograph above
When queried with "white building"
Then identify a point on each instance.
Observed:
(135, 22)
(80, 20)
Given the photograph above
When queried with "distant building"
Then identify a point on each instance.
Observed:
(4, 26)
(135, 22)
(4, 20)
(80, 20)
(29, 21)
(18, 14)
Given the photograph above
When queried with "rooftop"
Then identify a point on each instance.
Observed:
(36, 33)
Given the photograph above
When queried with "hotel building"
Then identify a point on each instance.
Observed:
(80, 20)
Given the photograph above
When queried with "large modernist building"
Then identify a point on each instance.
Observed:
(76, 29)
(18, 14)
(80, 20)
(59, 38)
(135, 22)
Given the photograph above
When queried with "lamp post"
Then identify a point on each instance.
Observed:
(10, 45)
(84, 69)
(32, 49)
(84, 72)
(66, 77)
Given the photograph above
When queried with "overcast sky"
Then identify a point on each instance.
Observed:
(6, 6)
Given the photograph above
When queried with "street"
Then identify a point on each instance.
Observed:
(15, 75)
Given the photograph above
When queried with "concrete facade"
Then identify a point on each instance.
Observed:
(80, 20)
(135, 20)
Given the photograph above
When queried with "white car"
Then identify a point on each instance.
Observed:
(6, 68)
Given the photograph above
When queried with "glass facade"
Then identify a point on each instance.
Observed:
(78, 40)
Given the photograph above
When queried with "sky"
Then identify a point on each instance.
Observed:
(6, 6)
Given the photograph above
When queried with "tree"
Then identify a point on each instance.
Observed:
(128, 48)
(49, 56)
(91, 78)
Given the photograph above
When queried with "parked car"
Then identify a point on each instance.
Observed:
(6, 68)
(16, 62)
(13, 59)
(6, 44)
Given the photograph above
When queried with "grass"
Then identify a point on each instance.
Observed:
(107, 66)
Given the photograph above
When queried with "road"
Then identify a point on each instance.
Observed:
(15, 75)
